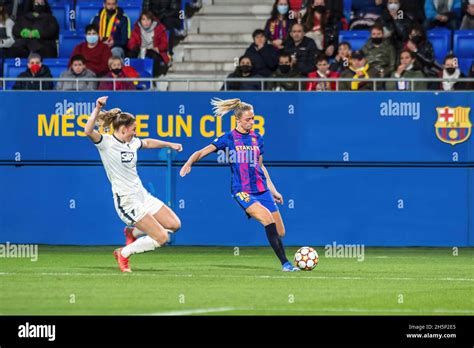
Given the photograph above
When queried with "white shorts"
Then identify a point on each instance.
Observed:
(133, 207)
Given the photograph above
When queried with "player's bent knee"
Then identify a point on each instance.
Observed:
(160, 237)
(175, 225)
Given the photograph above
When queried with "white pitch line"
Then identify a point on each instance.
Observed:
(197, 311)
(373, 310)
(137, 274)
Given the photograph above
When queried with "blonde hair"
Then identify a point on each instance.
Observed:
(113, 59)
(222, 107)
(115, 117)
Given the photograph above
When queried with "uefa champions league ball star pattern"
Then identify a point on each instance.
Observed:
(306, 258)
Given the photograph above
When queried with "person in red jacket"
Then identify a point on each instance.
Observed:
(149, 40)
(322, 72)
(116, 72)
(95, 52)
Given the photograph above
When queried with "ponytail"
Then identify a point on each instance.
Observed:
(116, 118)
(222, 107)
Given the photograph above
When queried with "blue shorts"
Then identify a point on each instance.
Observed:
(265, 198)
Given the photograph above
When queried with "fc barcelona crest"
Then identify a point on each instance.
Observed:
(453, 125)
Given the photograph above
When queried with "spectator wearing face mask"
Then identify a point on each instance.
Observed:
(467, 22)
(35, 70)
(244, 70)
(342, 59)
(78, 70)
(407, 69)
(95, 52)
(263, 55)
(442, 13)
(453, 74)
(379, 52)
(114, 27)
(116, 72)
(35, 32)
(285, 70)
(395, 23)
(321, 26)
(302, 49)
(322, 72)
(359, 70)
(277, 27)
(424, 53)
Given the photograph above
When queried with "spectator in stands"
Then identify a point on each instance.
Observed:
(36, 32)
(452, 73)
(321, 26)
(379, 52)
(114, 27)
(116, 72)
(6, 35)
(298, 9)
(35, 70)
(365, 13)
(358, 70)
(342, 59)
(407, 69)
(244, 70)
(424, 52)
(149, 40)
(414, 10)
(442, 13)
(286, 69)
(468, 19)
(78, 70)
(302, 49)
(95, 52)
(167, 12)
(395, 23)
(322, 72)
(262, 54)
(278, 26)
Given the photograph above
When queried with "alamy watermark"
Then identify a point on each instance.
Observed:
(25, 251)
(242, 154)
(345, 251)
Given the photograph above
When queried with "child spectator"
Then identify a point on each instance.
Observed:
(342, 59)
(116, 72)
(263, 55)
(78, 70)
(35, 70)
(322, 72)
(244, 70)
(149, 40)
(95, 52)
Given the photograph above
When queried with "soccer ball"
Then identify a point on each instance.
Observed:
(306, 258)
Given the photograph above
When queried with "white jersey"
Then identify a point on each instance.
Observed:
(120, 163)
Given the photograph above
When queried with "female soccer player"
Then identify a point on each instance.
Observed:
(133, 203)
(251, 187)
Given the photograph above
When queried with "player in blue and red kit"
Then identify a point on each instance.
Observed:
(251, 187)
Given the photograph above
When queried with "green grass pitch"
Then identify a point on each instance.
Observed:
(69, 280)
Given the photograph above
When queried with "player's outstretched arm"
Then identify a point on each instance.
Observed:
(90, 125)
(159, 144)
(196, 157)
(276, 195)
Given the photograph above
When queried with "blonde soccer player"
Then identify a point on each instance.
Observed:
(133, 203)
(251, 186)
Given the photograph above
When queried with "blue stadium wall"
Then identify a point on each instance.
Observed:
(353, 168)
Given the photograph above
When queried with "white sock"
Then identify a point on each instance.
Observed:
(137, 233)
(140, 246)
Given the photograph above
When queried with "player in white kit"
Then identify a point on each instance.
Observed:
(134, 204)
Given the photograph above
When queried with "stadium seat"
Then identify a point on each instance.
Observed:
(61, 10)
(68, 40)
(357, 38)
(85, 12)
(465, 64)
(14, 67)
(440, 38)
(133, 12)
(347, 8)
(464, 43)
(144, 67)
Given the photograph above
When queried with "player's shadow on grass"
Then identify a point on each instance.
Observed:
(115, 268)
(244, 267)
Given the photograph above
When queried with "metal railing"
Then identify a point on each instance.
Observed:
(378, 84)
